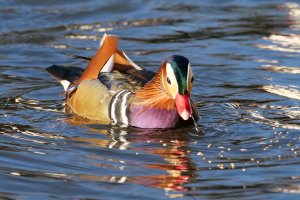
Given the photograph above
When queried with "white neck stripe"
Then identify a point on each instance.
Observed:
(118, 108)
(113, 107)
(124, 118)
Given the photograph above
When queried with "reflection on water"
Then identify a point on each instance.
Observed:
(175, 170)
(285, 43)
(246, 64)
(286, 91)
(282, 69)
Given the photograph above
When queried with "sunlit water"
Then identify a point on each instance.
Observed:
(245, 57)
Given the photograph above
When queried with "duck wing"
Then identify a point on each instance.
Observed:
(130, 80)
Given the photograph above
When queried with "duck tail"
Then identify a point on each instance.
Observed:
(64, 74)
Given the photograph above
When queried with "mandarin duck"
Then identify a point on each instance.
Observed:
(113, 89)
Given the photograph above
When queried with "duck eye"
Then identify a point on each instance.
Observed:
(168, 80)
(192, 79)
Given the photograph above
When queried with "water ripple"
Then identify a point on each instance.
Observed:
(245, 61)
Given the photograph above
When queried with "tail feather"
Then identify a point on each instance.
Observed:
(65, 75)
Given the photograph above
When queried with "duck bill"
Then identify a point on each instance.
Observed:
(183, 105)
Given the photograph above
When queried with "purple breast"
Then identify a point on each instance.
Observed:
(152, 118)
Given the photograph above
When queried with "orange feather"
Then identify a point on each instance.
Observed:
(122, 63)
(120, 58)
(154, 95)
(107, 49)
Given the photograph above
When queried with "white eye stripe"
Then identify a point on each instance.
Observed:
(171, 75)
(189, 76)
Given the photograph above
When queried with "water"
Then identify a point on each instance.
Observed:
(245, 57)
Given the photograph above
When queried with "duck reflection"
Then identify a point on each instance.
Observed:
(170, 145)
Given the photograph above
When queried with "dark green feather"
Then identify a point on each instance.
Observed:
(180, 68)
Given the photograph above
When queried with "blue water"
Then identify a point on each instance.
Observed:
(245, 58)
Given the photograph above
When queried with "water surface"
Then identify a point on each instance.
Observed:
(245, 57)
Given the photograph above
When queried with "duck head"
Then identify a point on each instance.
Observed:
(178, 82)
